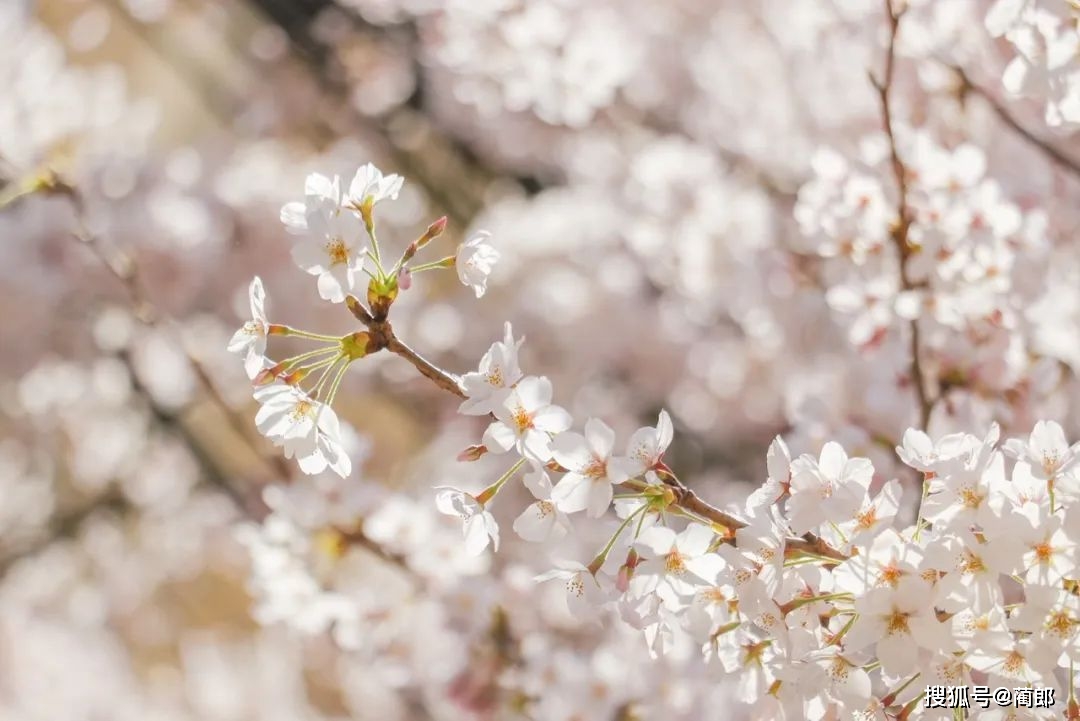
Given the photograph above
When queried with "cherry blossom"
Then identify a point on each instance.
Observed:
(646, 447)
(593, 469)
(475, 259)
(898, 622)
(526, 419)
(544, 520)
(250, 339)
(487, 388)
(369, 186)
(828, 489)
(478, 525)
(329, 244)
(306, 429)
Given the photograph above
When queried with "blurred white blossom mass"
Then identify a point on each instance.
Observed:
(762, 319)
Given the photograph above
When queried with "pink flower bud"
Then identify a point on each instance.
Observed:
(404, 279)
(472, 453)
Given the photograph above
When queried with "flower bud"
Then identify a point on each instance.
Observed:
(554, 467)
(296, 376)
(404, 279)
(267, 375)
(433, 231)
(626, 571)
(472, 453)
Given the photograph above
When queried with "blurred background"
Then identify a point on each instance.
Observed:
(637, 161)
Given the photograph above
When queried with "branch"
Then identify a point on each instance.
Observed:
(446, 381)
(66, 525)
(899, 232)
(1056, 156)
(382, 336)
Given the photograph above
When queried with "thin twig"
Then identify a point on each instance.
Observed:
(446, 381)
(382, 337)
(66, 525)
(899, 231)
(1055, 155)
(123, 267)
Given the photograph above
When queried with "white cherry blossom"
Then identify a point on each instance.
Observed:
(304, 427)
(676, 563)
(828, 489)
(475, 260)
(250, 339)
(592, 469)
(543, 520)
(646, 447)
(898, 622)
(478, 525)
(329, 244)
(487, 388)
(526, 420)
(582, 589)
(370, 186)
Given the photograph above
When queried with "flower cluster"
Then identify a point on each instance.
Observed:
(335, 237)
(982, 588)
(811, 590)
(1047, 64)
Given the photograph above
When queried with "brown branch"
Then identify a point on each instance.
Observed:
(124, 268)
(382, 336)
(65, 525)
(446, 381)
(1063, 161)
(899, 231)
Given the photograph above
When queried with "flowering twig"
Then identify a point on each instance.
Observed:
(124, 268)
(1056, 156)
(382, 336)
(899, 232)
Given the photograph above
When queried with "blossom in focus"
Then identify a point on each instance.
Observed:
(370, 186)
(478, 525)
(487, 387)
(899, 622)
(582, 590)
(676, 563)
(542, 520)
(329, 245)
(593, 470)
(829, 488)
(778, 483)
(305, 428)
(1046, 450)
(250, 339)
(526, 419)
(646, 447)
(475, 259)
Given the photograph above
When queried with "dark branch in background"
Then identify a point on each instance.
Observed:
(1063, 161)
(66, 525)
(449, 171)
(899, 232)
(124, 269)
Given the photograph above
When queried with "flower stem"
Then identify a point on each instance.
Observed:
(597, 562)
(327, 366)
(337, 382)
(290, 363)
(288, 331)
(890, 698)
(488, 493)
(447, 262)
